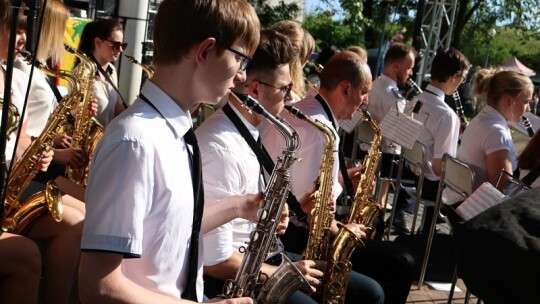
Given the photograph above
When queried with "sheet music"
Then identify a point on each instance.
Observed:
(402, 129)
(534, 120)
(483, 198)
(348, 125)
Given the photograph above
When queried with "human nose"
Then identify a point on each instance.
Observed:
(240, 76)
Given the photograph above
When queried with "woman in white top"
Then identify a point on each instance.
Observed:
(486, 144)
(103, 41)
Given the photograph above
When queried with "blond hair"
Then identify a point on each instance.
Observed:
(304, 44)
(494, 83)
(51, 42)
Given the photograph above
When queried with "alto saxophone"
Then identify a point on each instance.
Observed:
(146, 68)
(321, 218)
(87, 131)
(19, 215)
(13, 117)
(287, 278)
(364, 211)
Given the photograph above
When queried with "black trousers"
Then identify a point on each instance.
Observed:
(389, 263)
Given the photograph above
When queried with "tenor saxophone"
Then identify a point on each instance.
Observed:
(87, 131)
(19, 215)
(364, 210)
(13, 117)
(287, 278)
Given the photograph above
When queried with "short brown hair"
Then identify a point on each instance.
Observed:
(180, 24)
(448, 62)
(344, 66)
(397, 52)
(274, 50)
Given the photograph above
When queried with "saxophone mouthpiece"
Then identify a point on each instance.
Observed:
(251, 103)
(69, 48)
(295, 112)
(365, 113)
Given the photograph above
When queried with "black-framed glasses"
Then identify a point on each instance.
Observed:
(286, 90)
(116, 45)
(245, 58)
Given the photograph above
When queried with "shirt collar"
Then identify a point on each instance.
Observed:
(389, 81)
(436, 91)
(179, 120)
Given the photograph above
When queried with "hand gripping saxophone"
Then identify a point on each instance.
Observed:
(87, 131)
(318, 243)
(287, 278)
(364, 211)
(18, 216)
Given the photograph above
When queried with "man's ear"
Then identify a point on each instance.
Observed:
(254, 87)
(203, 48)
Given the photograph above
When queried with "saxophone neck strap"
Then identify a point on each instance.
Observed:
(262, 156)
(349, 188)
(109, 80)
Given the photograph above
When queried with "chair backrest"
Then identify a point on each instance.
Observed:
(416, 155)
(457, 175)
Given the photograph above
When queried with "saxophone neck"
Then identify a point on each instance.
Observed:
(287, 131)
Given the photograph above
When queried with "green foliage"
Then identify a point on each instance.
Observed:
(269, 15)
(508, 42)
(328, 31)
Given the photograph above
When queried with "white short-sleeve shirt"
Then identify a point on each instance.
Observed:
(441, 127)
(230, 167)
(381, 100)
(139, 199)
(305, 172)
(41, 101)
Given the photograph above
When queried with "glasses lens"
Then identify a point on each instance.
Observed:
(117, 45)
(244, 64)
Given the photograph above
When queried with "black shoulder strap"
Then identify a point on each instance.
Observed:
(109, 80)
(262, 155)
(54, 88)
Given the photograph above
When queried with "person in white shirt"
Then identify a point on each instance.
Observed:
(383, 98)
(144, 197)
(345, 83)
(232, 167)
(103, 42)
(441, 124)
(487, 145)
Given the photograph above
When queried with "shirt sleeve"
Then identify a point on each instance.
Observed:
(117, 198)
(446, 136)
(230, 181)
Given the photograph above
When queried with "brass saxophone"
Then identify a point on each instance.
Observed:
(18, 216)
(321, 218)
(287, 278)
(146, 68)
(87, 131)
(13, 117)
(364, 211)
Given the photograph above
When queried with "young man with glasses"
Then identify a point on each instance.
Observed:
(231, 166)
(144, 219)
(441, 124)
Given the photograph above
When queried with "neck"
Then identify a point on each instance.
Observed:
(103, 63)
(443, 86)
(173, 80)
(331, 97)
